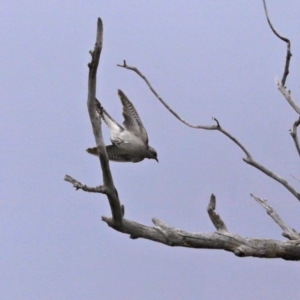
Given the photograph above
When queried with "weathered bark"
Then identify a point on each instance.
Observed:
(240, 246)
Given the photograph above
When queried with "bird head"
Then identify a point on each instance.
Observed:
(152, 154)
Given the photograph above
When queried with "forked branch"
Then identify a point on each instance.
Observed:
(108, 187)
(219, 240)
(248, 159)
(111, 191)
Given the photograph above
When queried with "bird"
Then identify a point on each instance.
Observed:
(130, 141)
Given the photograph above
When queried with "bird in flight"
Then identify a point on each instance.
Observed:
(129, 142)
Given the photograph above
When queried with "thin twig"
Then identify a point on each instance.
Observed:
(80, 186)
(288, 232)
(271, 174)
(212, 127)
(295, 177)
(288, 54)
(248, 159)
(287, 95)
(295, 136)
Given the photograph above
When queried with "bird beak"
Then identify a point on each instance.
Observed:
(156, 159)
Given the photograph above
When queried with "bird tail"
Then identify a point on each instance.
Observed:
(93, 151)
(114, 153)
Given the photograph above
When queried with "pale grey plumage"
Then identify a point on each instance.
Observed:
(129, 143)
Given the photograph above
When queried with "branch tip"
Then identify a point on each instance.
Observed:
(212, 203)
(287, 231)
(216, 120)
(214, 217)
(159, 223)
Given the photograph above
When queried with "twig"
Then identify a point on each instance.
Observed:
(288, 232)
(80, 186)
(295, 177)
(279, 179)
(248, 159)
(215, 218)
(295, 136)
(288, 54)
(213, 127)
(287, 95)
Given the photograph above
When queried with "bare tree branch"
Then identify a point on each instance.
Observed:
(96, 124)
(212, 127)
(80, 186)
(248, 159)
(221, 240)
(108, 188)
(287, 95)
(295, 136)
(288, 232)
(214, 217)
(281, 84)
(279, 179)
(288, 54)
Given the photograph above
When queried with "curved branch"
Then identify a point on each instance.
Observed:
(221, 240)
(295, 136)
(212, 127)
(249, 160)
(288, 52)
(281, 84)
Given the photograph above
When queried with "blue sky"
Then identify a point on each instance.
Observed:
(205, 59)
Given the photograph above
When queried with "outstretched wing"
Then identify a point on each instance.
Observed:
(132, 121)
(109, 121)
(114, 153)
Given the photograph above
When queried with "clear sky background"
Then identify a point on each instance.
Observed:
(205, 58)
